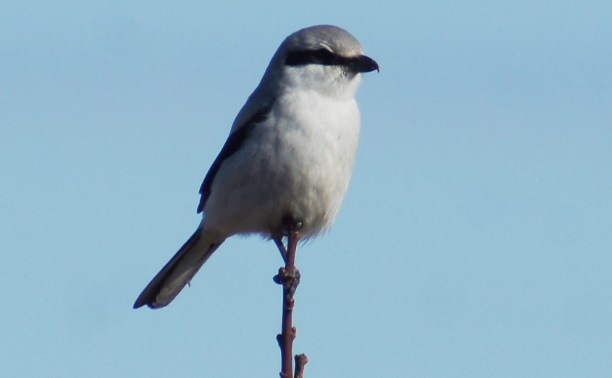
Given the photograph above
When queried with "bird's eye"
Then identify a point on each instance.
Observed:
(324, 56)
(320, 56)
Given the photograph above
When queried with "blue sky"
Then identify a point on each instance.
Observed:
(474, 241)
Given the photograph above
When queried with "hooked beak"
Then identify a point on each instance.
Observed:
(363, 63)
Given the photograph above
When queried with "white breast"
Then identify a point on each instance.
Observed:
(298, 162)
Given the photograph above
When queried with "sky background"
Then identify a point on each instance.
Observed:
(475, 239)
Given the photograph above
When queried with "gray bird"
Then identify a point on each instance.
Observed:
(289, 154)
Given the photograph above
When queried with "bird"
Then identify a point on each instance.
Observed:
(288, 158)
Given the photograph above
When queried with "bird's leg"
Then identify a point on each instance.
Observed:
(289, 275)
(281, 247)
(289, 225)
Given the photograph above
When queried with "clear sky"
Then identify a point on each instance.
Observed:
(475, 240)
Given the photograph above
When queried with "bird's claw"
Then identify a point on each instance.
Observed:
(290, 280)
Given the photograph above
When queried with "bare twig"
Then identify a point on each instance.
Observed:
(300, 361)
(289, 277)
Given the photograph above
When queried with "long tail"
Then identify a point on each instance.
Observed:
(181, 268)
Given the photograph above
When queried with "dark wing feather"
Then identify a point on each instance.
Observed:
(233, 143)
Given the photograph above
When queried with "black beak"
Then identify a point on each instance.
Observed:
(363, 63)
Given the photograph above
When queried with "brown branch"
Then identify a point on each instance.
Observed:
(289, 277)
(300, 361)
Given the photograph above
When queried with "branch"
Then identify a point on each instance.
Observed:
(289, 277)
(300, 361)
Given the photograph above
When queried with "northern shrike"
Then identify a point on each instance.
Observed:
(289, 154)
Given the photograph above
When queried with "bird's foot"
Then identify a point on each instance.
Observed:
(290, 280)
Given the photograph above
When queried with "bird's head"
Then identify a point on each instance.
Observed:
(324, 58)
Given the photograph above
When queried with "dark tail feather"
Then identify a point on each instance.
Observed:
(179, 271)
